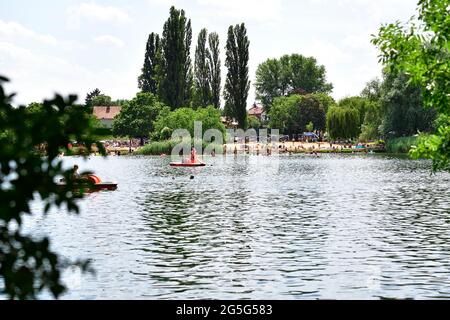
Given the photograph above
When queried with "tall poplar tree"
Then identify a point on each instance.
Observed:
(176, 71)
(202, 72)
(214, 68)
(188, 75)
(148, 80)
(237, 83)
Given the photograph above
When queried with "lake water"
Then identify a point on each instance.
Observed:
(255, 227)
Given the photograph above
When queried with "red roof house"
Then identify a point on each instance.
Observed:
(106, 114)
(258, 112)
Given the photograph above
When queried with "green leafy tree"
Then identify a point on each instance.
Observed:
(188, 87)
(343, 123)
(373, 90)
(325, 100)
(176, 71)
(214, 65)
(370, 129)
(311, 111)
(148, 80)
(203, 92)
(282, 113)
(136, 117)
(287, 75)
(310, 126)
(402, 107)
(102, 100)
(357, 103)
(371, 126)
(30, 142)
(422, 50)
(292, 114)
(237, 83)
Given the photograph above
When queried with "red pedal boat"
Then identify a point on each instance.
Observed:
(187, 164)
(95, 184)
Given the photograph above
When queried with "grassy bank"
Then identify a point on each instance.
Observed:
(346, 150)
(400, 145)
(166, 147)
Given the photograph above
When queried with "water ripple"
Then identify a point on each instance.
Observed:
(337, 227)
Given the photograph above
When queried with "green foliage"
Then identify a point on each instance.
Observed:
(402, 107)
(401, 145)
(214, 64)
(357, 103)
(156, 148)
(253, 122)
(165, 133)
(184, 118)
(176, 71)
(373, 90)
(370, 129)
(292, 114)
(237, 83)
(373, 116)
(435, 147)
(283, 113)
(203, 94)
(281, 77)
(422, 51)
(35, 107)
(28, 266)
(310, 126)
(148, 80)
(343, 123)
(102, 131)
(90, 97)
(207, 76)
(101, 100)
(136, 117)
(325, 100)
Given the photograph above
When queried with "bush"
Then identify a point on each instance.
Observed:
(166, 147)
(401, 145)
(184, 118)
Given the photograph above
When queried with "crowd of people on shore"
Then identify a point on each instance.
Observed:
(115, 144)
(292, 147)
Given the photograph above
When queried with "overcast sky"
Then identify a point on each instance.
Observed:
(74, 46)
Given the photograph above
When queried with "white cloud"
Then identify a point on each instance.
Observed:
(13, 53)
(109, 40)
(162, 2)
(258, 10)
(95, 12)
(35, 76)
(326, 53)
(16, 30)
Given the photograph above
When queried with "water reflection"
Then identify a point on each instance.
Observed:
(251, 228)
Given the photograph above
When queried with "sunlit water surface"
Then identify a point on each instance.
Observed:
(293, 227)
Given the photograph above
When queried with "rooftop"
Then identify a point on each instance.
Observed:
(106, 112)
(255, 110)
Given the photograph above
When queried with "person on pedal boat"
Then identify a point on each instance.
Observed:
(193, 155)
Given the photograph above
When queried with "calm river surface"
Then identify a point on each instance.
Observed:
(334, 227)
